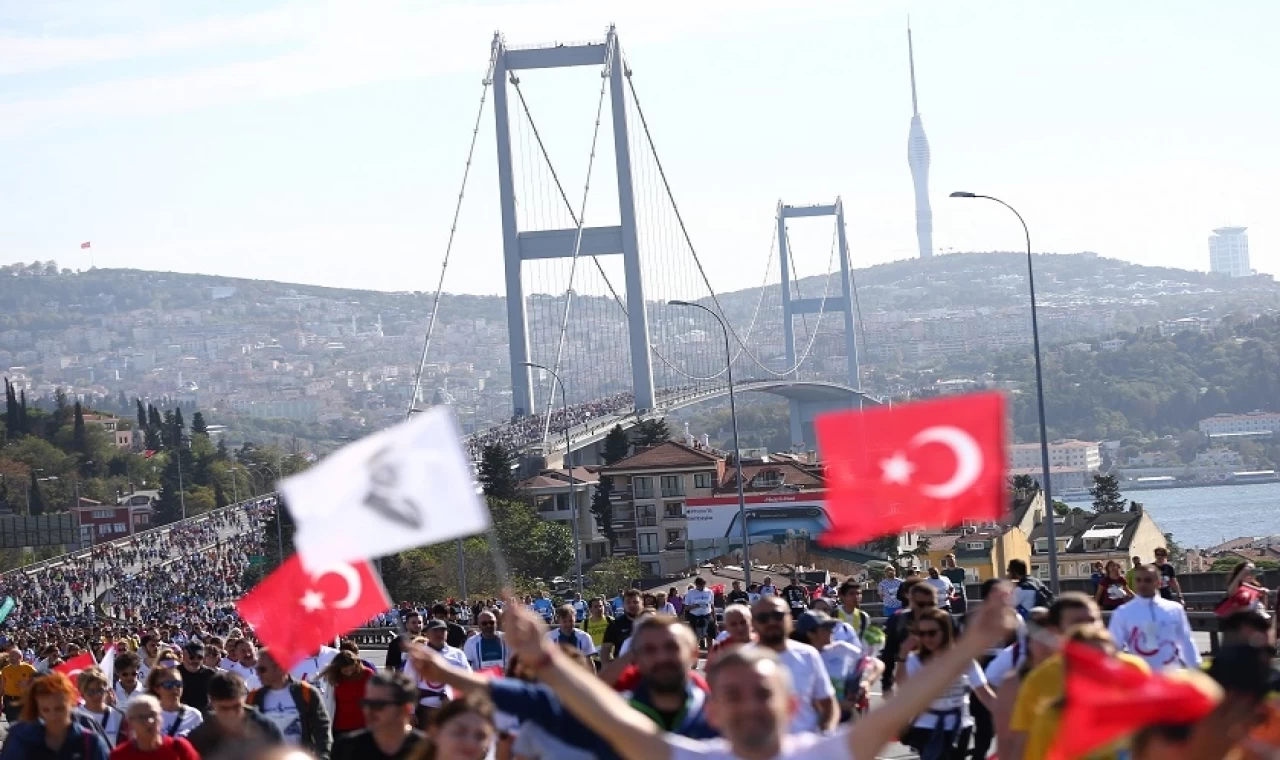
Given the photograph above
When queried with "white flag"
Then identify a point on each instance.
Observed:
(108, 663)
(404, 487)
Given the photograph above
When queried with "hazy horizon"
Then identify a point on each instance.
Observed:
(323, 143)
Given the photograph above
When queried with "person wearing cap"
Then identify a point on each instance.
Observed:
(195, 676)
(432, 696)
(846, 666)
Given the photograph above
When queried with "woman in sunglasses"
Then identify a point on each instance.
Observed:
(48, 728)
(94, 688)
(942, 732)
(165, 684)
(149, 741)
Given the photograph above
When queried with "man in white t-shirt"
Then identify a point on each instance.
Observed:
(699, 611)
(434, 695)
(750, 699)
(816, 708)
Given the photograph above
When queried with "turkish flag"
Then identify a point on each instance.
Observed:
(84, 246)
(71, 668)
(148, 454)
(294, 611)
(927, 464)
(1108, 699)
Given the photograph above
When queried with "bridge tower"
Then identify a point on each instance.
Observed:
(518, 247)
(843, 301)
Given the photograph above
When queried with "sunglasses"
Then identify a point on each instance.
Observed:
(378, 704)
(95, 692)
(174, 684)
(928, 633)
(770, 617)
(488, 624)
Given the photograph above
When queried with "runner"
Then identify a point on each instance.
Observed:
(700, 613)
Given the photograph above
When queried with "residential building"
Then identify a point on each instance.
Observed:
(983, 550)
(1085, 538)
(1061, 479)
(105, 522)
(1070, 453)
(1229, 252)
(1252, 422)
(550, 490)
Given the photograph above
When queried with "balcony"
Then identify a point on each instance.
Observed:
(620, 495)
(673, 512)
(647, 521)
(642, 493)
(673, 492)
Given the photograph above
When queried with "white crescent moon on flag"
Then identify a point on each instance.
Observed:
(968, 460)
(347, 573)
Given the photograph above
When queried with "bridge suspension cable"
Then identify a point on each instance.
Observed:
(684, 231)
(610, 52)
(453, 231)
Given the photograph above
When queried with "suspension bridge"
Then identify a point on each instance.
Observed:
(601, 285)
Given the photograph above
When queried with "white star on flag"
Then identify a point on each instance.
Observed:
(312, 600)
(897, 469)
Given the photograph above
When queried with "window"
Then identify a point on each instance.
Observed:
(652, 568)
(976, 546)
(702, 480)
(122, 528)
(673, 485)
(646, 515)
(1040, 571)
(1041, 546)
(103, 514)
(1085, 570)
(648, 543)
(971, 575)
(673, 509)
(674, 535)
(642, 488)
(769, 479)
(104, 529)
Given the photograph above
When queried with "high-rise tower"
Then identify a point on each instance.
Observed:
(918, 160)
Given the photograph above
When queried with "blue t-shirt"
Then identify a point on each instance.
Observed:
(544, 608)
(580, 609)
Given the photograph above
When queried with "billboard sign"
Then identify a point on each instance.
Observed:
(715, 523)
(61, 529)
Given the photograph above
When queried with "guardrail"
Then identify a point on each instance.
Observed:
(125, 540)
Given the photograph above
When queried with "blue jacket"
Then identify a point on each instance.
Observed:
(26, 742)
(539, 704)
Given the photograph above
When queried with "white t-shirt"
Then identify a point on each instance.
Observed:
(794, 747)
(181, 722)
(581, 640)
(1005, 662)
(956, 696)
(699, 602)
(249, 674)
(943, 586)
(123, 697)
(809, 682)
(279, 708)
(310, 668)
(768, 590)
(436, 691)
(668, 609)
(840, 659)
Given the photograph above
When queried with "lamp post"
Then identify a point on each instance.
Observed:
(1050, 530)
(737, 449)
(568, 468)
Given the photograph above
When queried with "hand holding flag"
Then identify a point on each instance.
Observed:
(930, 463)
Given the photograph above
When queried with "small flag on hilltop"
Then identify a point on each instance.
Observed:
(1108, 699)
(85, 246)
(404, 487)
(294, 611)
(148, 453)
(930, 463)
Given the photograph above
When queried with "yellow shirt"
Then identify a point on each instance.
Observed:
(15, 677)
(1036, 713)
(595, 629)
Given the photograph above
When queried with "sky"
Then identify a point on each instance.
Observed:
(324, 141)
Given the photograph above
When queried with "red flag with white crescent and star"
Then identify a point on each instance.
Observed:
(927, 464)
(294, 612)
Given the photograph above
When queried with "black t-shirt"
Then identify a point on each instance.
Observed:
(738, 597)
(455, 635)
(360, 745)
(1167, 574)
(796, 597)
(618, 631)
(195, 687)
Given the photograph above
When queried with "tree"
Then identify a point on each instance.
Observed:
(534, 548)
(496, 475)
(24, 427)
(221, 453)
(197, 425)
(142, 415)
(1177, 554)
(651, 433)
(1061, 508)
(616, 446)
(611, 574)
(1227, 564)
(35, 500)
(277, 534)
(10, 411)
(1024, 483)
(220, 499)
(1106, 494)
(155, 425)
(79, 437)
(602, 509)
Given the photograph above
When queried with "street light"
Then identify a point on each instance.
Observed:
(737, 449)
(568, 468)
(1050, 530)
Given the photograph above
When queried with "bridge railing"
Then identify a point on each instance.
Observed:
(125, 540)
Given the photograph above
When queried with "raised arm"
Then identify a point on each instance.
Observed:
(994, 621)
(631, 735)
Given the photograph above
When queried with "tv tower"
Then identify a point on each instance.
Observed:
(918, 160)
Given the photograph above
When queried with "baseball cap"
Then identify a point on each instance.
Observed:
(435, 624)
(813, 620)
